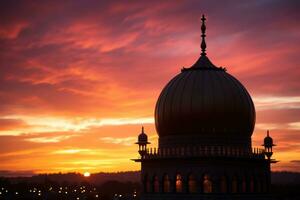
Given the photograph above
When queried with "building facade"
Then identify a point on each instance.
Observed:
(205, 119)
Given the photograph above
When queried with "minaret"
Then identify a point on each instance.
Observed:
(268, 144)
(142, 142)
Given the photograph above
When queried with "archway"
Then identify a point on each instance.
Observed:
(192, 184)
(234, 185)
(166, 184)
(207, 184)
(147, 184)
(258, 186)
(156, 184)
(244, 185)
(251, 184)
(178, 183)
(223, 184)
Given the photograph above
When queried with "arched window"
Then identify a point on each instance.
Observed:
(192, 184)
(155, 184)
(207, 184)
(147, 184)
(179, 183)
(251, 184)
(244, 185)
(234, 185)
(223, 184)
(166, 184)
(264, 185)
(258, 185)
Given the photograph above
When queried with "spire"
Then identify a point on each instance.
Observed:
(203, 63)
(203, 28)
(142, 129)
(268, 133)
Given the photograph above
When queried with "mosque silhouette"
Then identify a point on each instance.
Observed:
(205, 119)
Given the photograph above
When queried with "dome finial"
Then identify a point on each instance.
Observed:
(203, 28)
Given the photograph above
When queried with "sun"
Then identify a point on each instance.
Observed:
(86, 174)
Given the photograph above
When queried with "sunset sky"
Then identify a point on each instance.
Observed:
(78, 79)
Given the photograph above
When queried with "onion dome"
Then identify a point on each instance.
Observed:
(204, 104)
(142, 138)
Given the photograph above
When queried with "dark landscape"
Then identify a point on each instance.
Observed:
(107, 186)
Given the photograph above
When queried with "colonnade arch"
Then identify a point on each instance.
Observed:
(191, 183)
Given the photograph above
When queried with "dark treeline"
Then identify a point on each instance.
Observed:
(107, 186)
(97, 178)
(134, 176)
(285, 185)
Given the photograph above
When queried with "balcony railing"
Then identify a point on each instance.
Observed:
(202, 151)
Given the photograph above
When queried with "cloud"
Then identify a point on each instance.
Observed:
(12, 31)
(277, 102)
(294, 125)
(38, 124)
(53, 139)
(295, 161)
(279, 126)
(7, 173)
(8, 124)
(73, 151)
(128, 141)
(269, 126)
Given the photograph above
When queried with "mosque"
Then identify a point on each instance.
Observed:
(204, 118)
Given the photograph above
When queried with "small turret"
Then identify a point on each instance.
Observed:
(268, 144)
(142, 142)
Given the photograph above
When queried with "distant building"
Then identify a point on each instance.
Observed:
(205, 119)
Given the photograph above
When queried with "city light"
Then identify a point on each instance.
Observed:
(53, 192)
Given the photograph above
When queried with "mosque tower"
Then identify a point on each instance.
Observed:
(204, 118)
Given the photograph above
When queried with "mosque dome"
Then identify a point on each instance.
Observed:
(204, 101)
